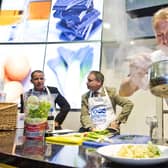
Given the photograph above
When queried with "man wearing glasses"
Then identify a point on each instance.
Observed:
(98, 106)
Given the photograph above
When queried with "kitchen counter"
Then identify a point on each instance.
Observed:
(17, 151)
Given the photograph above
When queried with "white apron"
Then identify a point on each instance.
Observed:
(101, 111)
(52, 98)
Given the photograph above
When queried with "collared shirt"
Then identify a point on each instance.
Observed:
(37, 93)
(96, 93)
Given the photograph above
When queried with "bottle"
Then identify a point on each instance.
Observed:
(51, 120)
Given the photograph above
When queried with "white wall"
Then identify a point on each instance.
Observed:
(72, 121)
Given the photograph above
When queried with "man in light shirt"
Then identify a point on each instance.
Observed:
(139, 65)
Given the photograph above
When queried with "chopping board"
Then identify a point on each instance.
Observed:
(68, 139)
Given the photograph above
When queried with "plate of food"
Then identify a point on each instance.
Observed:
(135, 154)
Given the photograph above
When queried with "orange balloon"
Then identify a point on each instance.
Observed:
(16, 67)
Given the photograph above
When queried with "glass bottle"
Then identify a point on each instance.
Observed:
(51, 121)
(153, 127)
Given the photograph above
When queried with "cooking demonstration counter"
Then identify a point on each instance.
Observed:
(17, 151)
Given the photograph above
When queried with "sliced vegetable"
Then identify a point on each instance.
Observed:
(94, 135)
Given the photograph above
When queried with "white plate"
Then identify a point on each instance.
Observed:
(110, 151)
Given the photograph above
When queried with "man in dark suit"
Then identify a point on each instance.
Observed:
(38, 80)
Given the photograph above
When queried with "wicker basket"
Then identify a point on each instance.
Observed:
(8, 116)
(7, 139)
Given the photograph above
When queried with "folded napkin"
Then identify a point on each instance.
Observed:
(64, 140)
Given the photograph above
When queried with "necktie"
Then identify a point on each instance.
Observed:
(96, 94)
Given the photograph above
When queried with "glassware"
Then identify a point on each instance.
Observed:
(37, 107)
(153, 126)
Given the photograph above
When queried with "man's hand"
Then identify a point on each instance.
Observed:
(140, 64)
(57, 126)
(115, 125)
